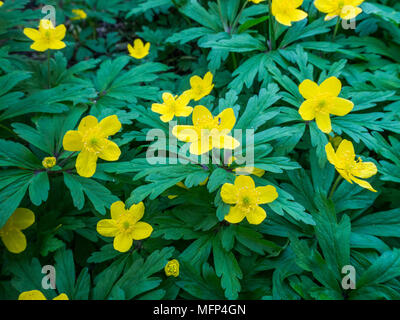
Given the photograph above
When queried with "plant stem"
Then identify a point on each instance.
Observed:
(66, 159)
(336, 28)
(271, 27)
(48, 69)
(234, 60)
(335, 185)
(238, 16)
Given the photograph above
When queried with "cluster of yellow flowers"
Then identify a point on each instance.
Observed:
(320, 102)
(286, 11)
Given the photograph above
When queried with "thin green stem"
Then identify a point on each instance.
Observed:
(336, 28)
(48, 69)
(238, 16)
(335, 185)
(271, 27)
(234, 60)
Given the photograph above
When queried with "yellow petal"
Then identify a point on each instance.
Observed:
(199, 147)
(226, 119)
(40, 45)
(61, 296)
(122, 242)
(117, 209)
(309, 89)
(22, 218)
(364, 184)
(225, 142)
(195, 81)
(107, 227)
(87, 123)
(201, 115)
(345, 153)
(185, 133)
(32, 34)
(167, 117)
(266, 194)
(59, 32)
(307, 110)
(109, 151)
(56, 45)
(364, 170)
(14, 240)
(141, 230)
(109, 125)
(86, 164)
(298, 15)
(137, 211)
(339, 106)
(184, 112)
(350, 12)
(159, 108)
(229, 193)
(331, 86)
(323, 122)
(256, 216)
(32, 295)
(330, 153)
(235, 215)
(244, 183)
(72, 141)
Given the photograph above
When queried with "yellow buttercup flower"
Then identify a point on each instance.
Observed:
(345, 9)
(323, 100)
(91, 139)
(37, 295)
(49, 162)
(247, 198)
(200, 87)
(11, 234)
(124, 225)
(1, 3)
(172, 268)
(79, 14)
(350, 169)
(286, 11)
(208, 132)
(139, 49)
(172, 106)
(47, 36)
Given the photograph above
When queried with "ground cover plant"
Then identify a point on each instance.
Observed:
(190, 149)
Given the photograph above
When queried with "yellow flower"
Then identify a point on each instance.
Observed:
(323, 100)
(173, 106)
(139, 49)
(286, 12)
(91, 140)
(124, 225)
(1, 3)
(246, 170)
(246, 198)
(47, 37)
(37, 295)
(79, 14)
(208, 132)
(11, 234)
(256, 1)
(350, 169)
(49, 162)
(345, 9)
(200, 87)
(172, 268)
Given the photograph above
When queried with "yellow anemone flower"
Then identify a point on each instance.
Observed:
(1, 3)
(49, 162)
(139, 49)
(172, 268)
(208, 132)
(10, 233)
(246, 170)
(286, 12)
(47, 36)
(172, 106)
(37, 295)
(246, 198)
(350, 169)
(91, 140)
(79, 14)
(124, 225)
(323, 100)
(200, 87)
(345, 9)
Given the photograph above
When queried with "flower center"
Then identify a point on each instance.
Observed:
(126, 225)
